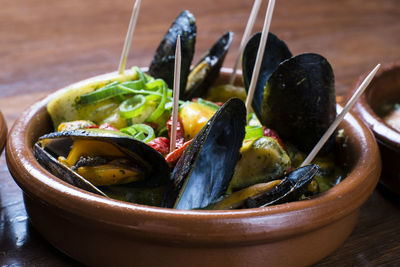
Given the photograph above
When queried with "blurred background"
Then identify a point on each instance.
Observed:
(46, 44)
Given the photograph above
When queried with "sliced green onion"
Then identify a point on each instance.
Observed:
(129, 130)
(253, 132)
(132, 107)
(149, 78)
(155, 85)
(134, 85)
(140, 136)
(153, 97)
(161, 106)
(140, 74)
(140, 131)
(140, 92)
(170, 93)
(106, 92)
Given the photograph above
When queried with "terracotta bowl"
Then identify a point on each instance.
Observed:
(100, 231)
(384, 89)
(3, 132)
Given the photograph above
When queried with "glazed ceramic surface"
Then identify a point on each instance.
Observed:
(100, 231)
(3, 132)
(384, 89)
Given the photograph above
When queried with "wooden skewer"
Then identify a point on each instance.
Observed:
(177, 78)
(340, 117)
(247, 31)
(260, 54)
(128, 38)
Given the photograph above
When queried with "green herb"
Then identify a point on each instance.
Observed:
(132, 107)
(140, 131)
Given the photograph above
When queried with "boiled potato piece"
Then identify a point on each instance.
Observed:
(261, 160)
(63, 106)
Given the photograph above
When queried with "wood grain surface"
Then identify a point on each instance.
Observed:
(47, 44)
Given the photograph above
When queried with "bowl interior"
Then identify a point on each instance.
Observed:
(3, 132)
(384, 89)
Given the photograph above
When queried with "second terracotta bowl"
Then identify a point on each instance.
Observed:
(101, 231)
(384, 89)
(3, 132)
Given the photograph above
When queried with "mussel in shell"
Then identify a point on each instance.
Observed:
(285, 189)
(206, 71)
(162, 65)
(275, 52)
(203, 173)
(290, 188)
(62, 171)
(236, 199)
(102, 157)
(299, 100)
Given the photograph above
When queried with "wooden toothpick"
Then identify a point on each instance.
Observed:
(260, 54)
(128, 38)
(340, 117)
(246, 34)
(177, 78)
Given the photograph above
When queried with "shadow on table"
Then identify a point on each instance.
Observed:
(389, 195)
(22, 245)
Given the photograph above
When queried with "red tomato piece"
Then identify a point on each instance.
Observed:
(173, 157)
(161, 144)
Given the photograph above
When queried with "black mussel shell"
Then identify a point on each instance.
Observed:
(299, 101)
(275, 52)
(290, 189)
(204, 171)
(210, 65)
(163, 62)
(62, 172)
(153, 163)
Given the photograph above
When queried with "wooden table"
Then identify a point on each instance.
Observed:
(46, 45)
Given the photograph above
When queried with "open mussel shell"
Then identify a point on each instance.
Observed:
(204, 171)
(206, 71)
(299, 100)
(275, 52)
(63, 172)
(163, 62)
(290, 188)
(156, 170)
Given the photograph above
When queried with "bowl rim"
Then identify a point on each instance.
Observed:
(384, 133)
(249, 225)
(3, 132)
